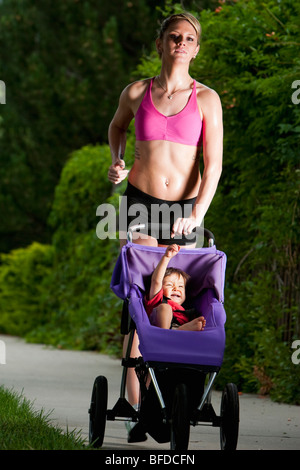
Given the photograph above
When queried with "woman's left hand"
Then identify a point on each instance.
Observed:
(184, 226)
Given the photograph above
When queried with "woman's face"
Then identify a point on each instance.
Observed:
(179, 42)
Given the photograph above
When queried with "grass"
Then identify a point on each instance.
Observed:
(23, 428)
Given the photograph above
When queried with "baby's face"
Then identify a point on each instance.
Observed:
(174, 288)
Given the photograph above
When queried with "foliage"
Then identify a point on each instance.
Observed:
(64, 298)
(248, 55)
(64, 65)
(84, 313)
(83, 185)
(24, 279)
(259, 191)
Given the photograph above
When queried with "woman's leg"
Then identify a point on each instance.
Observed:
(132, 382)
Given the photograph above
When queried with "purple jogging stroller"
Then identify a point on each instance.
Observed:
(182, 365)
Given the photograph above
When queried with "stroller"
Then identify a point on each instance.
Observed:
(182, 365)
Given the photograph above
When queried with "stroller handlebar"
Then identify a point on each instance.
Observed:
(198, 230)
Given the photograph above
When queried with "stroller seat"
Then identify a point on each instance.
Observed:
(205, 291)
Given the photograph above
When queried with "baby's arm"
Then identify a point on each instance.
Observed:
(159, 272)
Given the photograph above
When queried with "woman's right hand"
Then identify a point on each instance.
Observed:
(117, 172)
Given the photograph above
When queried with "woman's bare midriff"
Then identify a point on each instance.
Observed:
(166, 170)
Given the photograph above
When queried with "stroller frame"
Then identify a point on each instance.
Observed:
(173, 414)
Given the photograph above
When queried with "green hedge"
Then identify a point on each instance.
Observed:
(24, 284)
(60, 294)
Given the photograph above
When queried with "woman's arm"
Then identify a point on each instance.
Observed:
(117, 138)
(212, 153)
(212, 157)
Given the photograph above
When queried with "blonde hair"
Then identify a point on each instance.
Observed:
(180, 16)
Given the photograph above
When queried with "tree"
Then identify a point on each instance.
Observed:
(64, 65)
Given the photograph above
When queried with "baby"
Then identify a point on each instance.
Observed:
(167, 294)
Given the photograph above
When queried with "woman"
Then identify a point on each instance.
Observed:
(172, 113)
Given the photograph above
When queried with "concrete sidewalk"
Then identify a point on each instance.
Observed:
(61, 382)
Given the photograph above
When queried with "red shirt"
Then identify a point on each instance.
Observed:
(159, 298)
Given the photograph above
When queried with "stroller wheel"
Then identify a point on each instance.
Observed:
(229, 428)
(98, 411)
(180, 421)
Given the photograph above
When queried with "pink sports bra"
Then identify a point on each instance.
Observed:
(183, 127)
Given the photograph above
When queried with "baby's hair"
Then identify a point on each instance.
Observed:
(179, 272)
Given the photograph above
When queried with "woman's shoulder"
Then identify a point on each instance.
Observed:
(132, 95)
(205, 92)
(208, 100)
(135, 89)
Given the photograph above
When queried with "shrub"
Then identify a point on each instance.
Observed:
(24, 277)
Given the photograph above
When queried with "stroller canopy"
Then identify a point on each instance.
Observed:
(136, 263)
